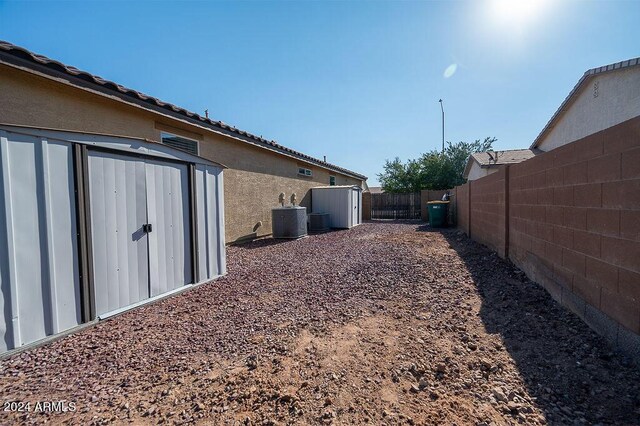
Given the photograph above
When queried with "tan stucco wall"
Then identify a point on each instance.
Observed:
(255, 177)
(617, 100)
(476, 172)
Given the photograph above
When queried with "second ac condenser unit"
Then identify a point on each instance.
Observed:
(319, 222)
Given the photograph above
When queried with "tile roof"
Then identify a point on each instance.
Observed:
(12, 54)
(583, 80)
(496, 158)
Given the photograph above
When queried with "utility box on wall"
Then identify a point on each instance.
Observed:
(343, 203)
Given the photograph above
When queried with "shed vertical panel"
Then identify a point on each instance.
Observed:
(220, 227)
(160, 267)
(39, 275)
(182, 222)
(353, 196)
(98, 227)
(359, 207)
(342, 204)
(112, 282)
(201, 215)
(212, 221)
(63, 247)
(170, 240)
(131, 221)
(27, 224)
(210, 216)
(9, 295)
(120, 214)
(333, 201)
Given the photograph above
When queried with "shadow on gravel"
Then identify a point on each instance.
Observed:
(270, 241)
(262, 242)
(572, 372)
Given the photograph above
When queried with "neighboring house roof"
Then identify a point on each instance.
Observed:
(13, 55)
(586, 77)
(376, 189)
(499, 158)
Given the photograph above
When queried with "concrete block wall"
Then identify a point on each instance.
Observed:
(488, 210)
(366, 205)
(572, 223)
(462, 207)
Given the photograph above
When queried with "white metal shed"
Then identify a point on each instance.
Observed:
(91, 225)
(343, 203)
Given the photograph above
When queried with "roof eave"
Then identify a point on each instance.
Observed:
(89, 83)
(564, 106)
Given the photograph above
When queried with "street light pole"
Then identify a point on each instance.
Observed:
(442, 108)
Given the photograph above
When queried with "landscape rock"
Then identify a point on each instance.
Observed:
(385, 323)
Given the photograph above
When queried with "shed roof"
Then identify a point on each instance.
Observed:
(586, 77)
(126, 144)
(22, 58)
(337, 187)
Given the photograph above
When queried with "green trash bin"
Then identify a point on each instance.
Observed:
(438, 213)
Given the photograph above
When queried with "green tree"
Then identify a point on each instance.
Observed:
(433, 170)
(399, 177)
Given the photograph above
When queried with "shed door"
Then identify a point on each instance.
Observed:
(131, 265)
(168, 213)
(117, 192)
(354, 208)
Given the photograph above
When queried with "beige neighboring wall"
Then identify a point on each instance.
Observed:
(476, 172)
(255, 177)
(608, 99)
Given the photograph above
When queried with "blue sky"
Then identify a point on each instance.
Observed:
(358, 82)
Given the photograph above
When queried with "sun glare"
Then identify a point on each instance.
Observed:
(516, 13)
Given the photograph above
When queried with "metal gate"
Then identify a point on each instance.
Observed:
(395, 206)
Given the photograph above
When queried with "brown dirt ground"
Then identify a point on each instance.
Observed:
(387, 323)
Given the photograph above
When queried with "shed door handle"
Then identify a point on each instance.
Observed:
(146, 228)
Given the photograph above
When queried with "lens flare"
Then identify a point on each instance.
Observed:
(450, 71)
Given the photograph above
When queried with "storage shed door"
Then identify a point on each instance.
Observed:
(129, 264)
(117, 193)
(168, 213)
(355, 205)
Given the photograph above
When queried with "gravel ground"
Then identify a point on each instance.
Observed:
(386, 323)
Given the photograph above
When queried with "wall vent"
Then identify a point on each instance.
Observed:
(178, 142)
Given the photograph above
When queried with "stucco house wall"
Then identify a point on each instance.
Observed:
(476, 172)
(255, 178)
(606, 100)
